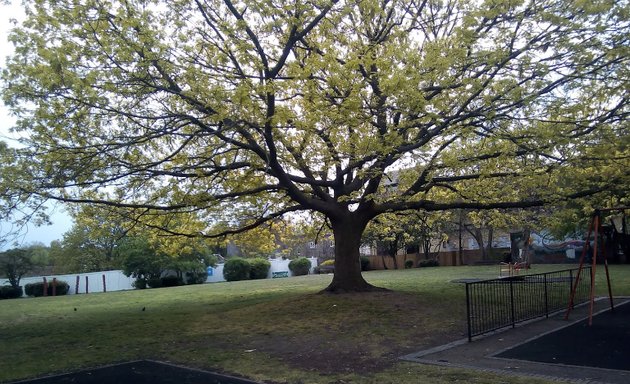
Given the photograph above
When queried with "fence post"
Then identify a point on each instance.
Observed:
(468, 312)
(546, 297)
(87, 282)
(45, 293)
(104, 285)
(76, 286)
(512, 303)
(571, 288)
(54, 286)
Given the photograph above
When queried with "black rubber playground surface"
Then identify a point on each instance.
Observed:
(605, 344)
(140, 372)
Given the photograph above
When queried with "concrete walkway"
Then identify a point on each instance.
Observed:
(482, 352)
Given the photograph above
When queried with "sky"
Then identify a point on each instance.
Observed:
(61, 222)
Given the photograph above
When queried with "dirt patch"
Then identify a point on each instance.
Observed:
(384, 326)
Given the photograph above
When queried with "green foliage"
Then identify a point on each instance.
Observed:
(10, 292)
(326, 263)
(408, 264)
(14, 264)
(171, 281)
(254, 110)
(300, 266)
(154, 282)
(90, 244)
(365, 263)
(236, 269)
(37, 289)
(140, 283)
(258, 268)
(428, 263)
(196, 277)
(140, 260)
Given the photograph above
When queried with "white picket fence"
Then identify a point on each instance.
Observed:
(108, 281)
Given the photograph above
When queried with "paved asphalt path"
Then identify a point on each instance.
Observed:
(140, 372)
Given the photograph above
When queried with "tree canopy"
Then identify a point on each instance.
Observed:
(245, 111)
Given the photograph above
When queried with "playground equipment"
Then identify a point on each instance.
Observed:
(522, 261)
(597, 248)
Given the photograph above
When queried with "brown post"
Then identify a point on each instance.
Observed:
(76, 287)
(104, 285)
(87, 282)
(54, 286)
(45, 293)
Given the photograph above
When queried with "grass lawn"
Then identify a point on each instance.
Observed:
(276, 331)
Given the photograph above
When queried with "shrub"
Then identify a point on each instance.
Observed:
(154, 282)
(196, 277)
(365, 263)
(37, 289)
(9, 292)
(326, 263)
(428, 263)
(171, 281)
(140, 283)
(258, 268)
(408, 264)
(236, 269)
(300, 266)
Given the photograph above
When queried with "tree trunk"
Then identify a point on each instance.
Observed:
(489, 251)
(393, 251)
(348, 277)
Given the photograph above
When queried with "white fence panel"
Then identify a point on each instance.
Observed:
(117, 281)
(215, 274)
(92, 282)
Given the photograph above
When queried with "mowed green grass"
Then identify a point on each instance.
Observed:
(277, 331)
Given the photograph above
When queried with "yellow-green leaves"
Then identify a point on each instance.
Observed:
(244, 111)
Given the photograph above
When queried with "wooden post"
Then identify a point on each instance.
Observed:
(76, 287)
(54, 286)
(45, 293)
(104, 285)
(87, 282)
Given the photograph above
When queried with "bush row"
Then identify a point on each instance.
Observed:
(37, 289)
(171, 280)
(237, 268)
(428, 263)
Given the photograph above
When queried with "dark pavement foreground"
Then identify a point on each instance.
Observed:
(553, 348)
(604, 344)
(139, 372)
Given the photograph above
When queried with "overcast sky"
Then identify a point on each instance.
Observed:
(61, 221)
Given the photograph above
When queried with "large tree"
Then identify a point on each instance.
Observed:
(244, 111)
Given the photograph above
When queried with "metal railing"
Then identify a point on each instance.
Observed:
(503, 302)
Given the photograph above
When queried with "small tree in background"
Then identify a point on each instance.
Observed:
(14, 264)
(140, 260)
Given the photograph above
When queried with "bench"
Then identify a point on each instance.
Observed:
(275, 275)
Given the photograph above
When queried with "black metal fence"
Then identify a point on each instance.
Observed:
(503, 302)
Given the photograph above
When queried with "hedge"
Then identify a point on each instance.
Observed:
(37, 289)
(9, 292)
(258, 268)
(428, 263)
(300, 266)
(236, 269)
